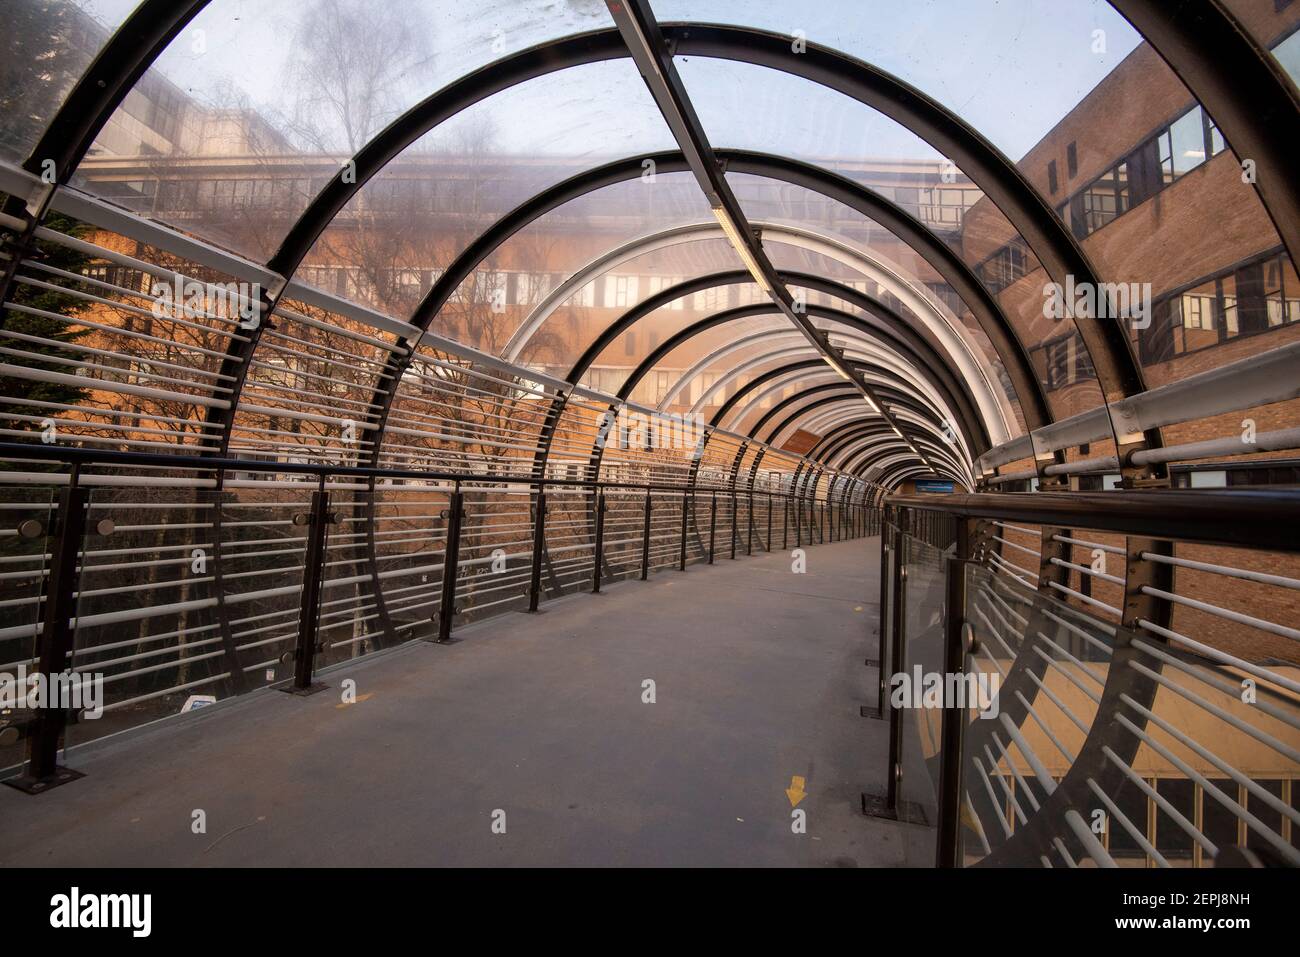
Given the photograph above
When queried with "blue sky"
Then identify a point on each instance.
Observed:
(1012, 68)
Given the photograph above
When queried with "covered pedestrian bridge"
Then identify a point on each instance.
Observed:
(586, 411)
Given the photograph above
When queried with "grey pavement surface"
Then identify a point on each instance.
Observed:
(759, 676)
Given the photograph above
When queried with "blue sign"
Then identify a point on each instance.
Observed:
(934, 485)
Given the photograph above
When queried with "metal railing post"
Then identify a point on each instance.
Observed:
(798, 523)
(56, 644)
(733, 524)
(598, 549)
(948, 847)
(785, 523)
(749, 525)
(450, 565)
(767, 541)
(896, 659)
(681, 557)
(313, 573)
(645, 540)
(539, 549)
(887, 598)
(713, 522)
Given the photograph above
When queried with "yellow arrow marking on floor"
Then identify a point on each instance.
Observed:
(795, 791)
(360, 698)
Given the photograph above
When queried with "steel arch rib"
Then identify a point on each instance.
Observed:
(618, 326)
(881, 323)
(961, 352)
(1241, 85)
(869, 349)
(883, 364)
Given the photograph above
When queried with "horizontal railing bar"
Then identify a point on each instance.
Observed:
(69, 455)
(1256, 518)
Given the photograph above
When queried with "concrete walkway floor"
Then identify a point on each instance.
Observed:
(759, 676)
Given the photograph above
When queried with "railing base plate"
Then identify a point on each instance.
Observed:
(30, 785)
(873, 805)
(311, 689)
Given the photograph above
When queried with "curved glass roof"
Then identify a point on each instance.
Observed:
(741, 210)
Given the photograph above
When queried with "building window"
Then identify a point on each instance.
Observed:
(1072, 160)
(1006, 265)
(1250, 298)
(1051, 177)
(1174, 151)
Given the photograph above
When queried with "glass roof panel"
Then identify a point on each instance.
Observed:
(1110, 138)
(597, 304)
(47, 46)
(263, 102)
(409, 222)
(560, 243)
(973, 56)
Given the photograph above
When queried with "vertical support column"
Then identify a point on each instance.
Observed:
(749, 525)
(46, 730)
(768, 540)
(713, 522)
(539, 549)
(313, 573)
(687, 502)
(645, 540)
(450, 565)
(598, 550)
(882, 633)
(798, 522)
(785, 522)
(948, 849)
(733, 525)
(896, 656)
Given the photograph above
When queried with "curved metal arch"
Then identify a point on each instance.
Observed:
(1181, 45)
(884, 464)
(849, 433)
(881, 323)
(961, 354)
(903, 473)
(864, 354)
(772, 376)
(784, 404)
(1061, 255)
(827, 376)
(836, 386)
(625, 322)
(856, 435)
(796, 418)
(877, 89)
(1241, 85)
(921, 434)
(909, 230)
(851, 447)
(683, 335)
(72, 129)
(937, 377)
(869, 350)
(834, 439)
(898, 400)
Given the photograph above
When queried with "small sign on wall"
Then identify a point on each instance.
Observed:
(934, 486)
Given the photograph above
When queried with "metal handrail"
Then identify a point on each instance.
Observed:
(1124, 695)
(1255, 518)
(73, 455)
